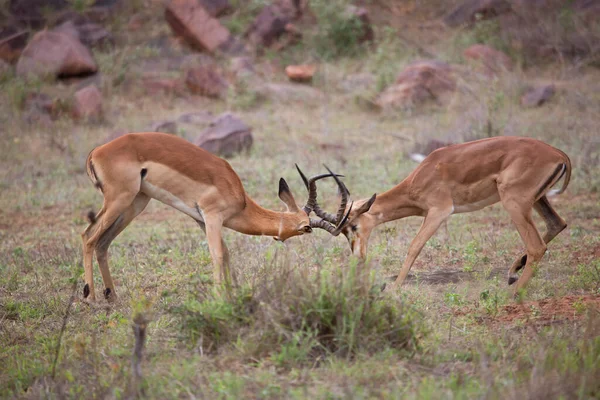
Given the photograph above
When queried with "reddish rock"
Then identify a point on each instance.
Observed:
(300, 73)
(55, 54)
(537, 96)
(472, 10)
(192, 22)
(417, 83)
(494, 61)
(226, 136)
(206, 81)
(12, 43)
(87, 103)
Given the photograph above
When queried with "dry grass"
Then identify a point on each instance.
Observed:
(262, 345)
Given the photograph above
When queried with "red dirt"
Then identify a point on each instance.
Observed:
(550, 310)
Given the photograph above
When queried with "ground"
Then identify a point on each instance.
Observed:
(474, 339)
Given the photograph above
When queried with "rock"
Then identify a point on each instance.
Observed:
(196, 118)
(157, 85)
(80, 26)
(417, 83)
(367, 33)
(472, 10)
(136, 22)
(216, 8)
(87, 104)
(290, 93)
(535, 97)
(206, 81)
(226, 136)
(268, 26)
(300, 73)
(34, 13)
(494, 61)
(168, 126)
(55, 54)
(12, 42)
(192, 22)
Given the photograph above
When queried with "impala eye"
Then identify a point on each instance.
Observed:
(354, 228)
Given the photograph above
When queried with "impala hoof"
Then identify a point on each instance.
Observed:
(86, 291)
(512, 279)
(110, 295)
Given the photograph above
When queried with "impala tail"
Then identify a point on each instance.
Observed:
(566, 172)
(89, 166)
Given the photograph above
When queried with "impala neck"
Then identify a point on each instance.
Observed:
(394, 204)
(256, 220)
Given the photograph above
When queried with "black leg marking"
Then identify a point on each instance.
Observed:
(512, 280)
(523, 262)
(86, 291)
(107, 292)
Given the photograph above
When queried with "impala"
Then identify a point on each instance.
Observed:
(134, 168)
(516, 171)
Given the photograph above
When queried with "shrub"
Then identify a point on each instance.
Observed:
(291, 318)
(339, 32)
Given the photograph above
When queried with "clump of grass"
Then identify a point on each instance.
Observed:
(291, 318)
(587, 277)
(340, 32)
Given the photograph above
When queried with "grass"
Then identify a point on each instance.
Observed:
(303, 324)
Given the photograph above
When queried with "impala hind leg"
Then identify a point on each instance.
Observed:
(110, 212)
(432, 222)
(554, 225)
(520, 213)
(139, 204)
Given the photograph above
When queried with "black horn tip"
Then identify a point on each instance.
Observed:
(302, 176)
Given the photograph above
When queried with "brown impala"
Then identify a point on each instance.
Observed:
(516, 171)
(134, 168)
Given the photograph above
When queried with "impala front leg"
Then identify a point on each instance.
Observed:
(218, 253)
(432, 222)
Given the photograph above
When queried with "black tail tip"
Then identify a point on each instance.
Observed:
(91, 217)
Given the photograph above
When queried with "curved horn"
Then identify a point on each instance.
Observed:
(344, 192)
(334, 230)
(311, 186)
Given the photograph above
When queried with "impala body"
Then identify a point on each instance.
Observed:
(132, 169)
(516, 171)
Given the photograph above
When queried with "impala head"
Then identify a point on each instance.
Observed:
(297, 221)
(350, 219)
(359, 226)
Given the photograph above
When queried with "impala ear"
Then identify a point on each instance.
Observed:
(367, 206)
(286, 196)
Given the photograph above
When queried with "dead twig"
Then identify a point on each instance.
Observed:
(63, 328)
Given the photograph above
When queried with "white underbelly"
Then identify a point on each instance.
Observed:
(478, 205)
(170, 199)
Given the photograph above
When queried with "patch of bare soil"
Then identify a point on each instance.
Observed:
(551, 310)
